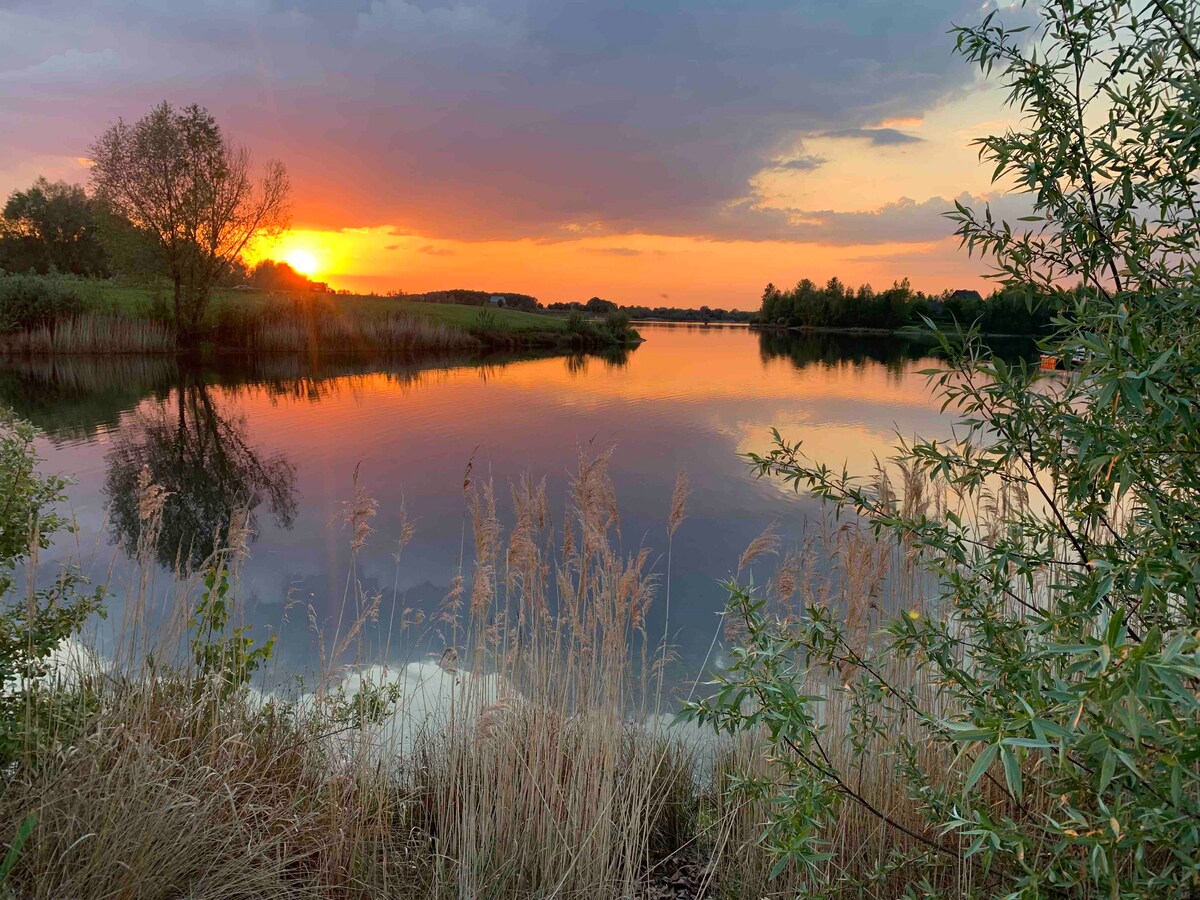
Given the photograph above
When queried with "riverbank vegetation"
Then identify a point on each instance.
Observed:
(981, 677)
(1038, 705)
(1010, 310)
(175, 210)
(57, 314)
(521, 746)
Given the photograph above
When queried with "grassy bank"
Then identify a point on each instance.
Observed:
(47, 315)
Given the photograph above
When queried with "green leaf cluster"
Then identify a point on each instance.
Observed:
(1054, 686)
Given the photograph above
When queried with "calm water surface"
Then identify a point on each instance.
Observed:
(288, 434)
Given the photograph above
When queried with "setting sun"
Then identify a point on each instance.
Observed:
(303, 261)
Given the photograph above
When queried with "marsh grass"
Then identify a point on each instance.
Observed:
(42, 315)
(97, 316)
(91, 334)
(542, 766)
(539, 773)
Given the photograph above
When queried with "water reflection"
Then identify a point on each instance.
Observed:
(285, 434)
(805, 349)
(77, 398)
(612, 358)
(164, 420)
(74, 398)
(208, 467)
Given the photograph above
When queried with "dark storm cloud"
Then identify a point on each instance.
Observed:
(802, 163)
(876, 137)
(493, 119)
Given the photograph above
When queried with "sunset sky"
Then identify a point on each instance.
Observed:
(678, 153)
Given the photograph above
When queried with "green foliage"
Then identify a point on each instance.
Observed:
(1012, 309)
(131, 253)
(35, 623)
(486, 319)
(223, 657)
(14, 851)
(372, 703)
(577, 322)
(1054, 688)
(616, 326)
(50, 228)
(28, 302)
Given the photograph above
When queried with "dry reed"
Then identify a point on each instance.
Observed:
(91, 334)
(544, 773)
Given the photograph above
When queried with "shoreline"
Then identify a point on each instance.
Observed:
(911, 332)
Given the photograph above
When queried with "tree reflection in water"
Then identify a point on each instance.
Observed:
(204, 461)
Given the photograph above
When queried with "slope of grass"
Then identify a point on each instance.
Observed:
(111, 297)
(54, 315)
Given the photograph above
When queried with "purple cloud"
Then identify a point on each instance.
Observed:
(493, 119)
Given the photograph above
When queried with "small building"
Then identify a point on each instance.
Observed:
(497, 300)
(319, 287)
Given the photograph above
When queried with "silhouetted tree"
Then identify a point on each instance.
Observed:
(599, 306)
(173, 175)
(836, 305)
(278, 276)
(50, 227)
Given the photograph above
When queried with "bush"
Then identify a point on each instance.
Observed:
(1039, 703)
(577, 322)
(28, 302)
(33, 624)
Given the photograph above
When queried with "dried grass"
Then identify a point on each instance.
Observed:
(548, 772)
(546, 775)
(89, 334)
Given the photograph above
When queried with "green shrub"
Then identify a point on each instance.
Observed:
(30, 301)
(33, 623)
(616, 325)
(1041, 703)
(577, 322)
(486, 320)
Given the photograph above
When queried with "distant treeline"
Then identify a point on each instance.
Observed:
(838, 305)
(598, 306)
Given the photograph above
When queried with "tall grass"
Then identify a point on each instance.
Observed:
(529, 760)
(351, 334)
(91, 334)
(550, 777)
(538, 772)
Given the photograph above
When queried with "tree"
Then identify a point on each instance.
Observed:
(129, 251)
(175, 176)
(1041, 705)
(600, 306)
(271, 275)
(50, 227)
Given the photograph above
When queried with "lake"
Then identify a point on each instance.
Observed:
(288, 434)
